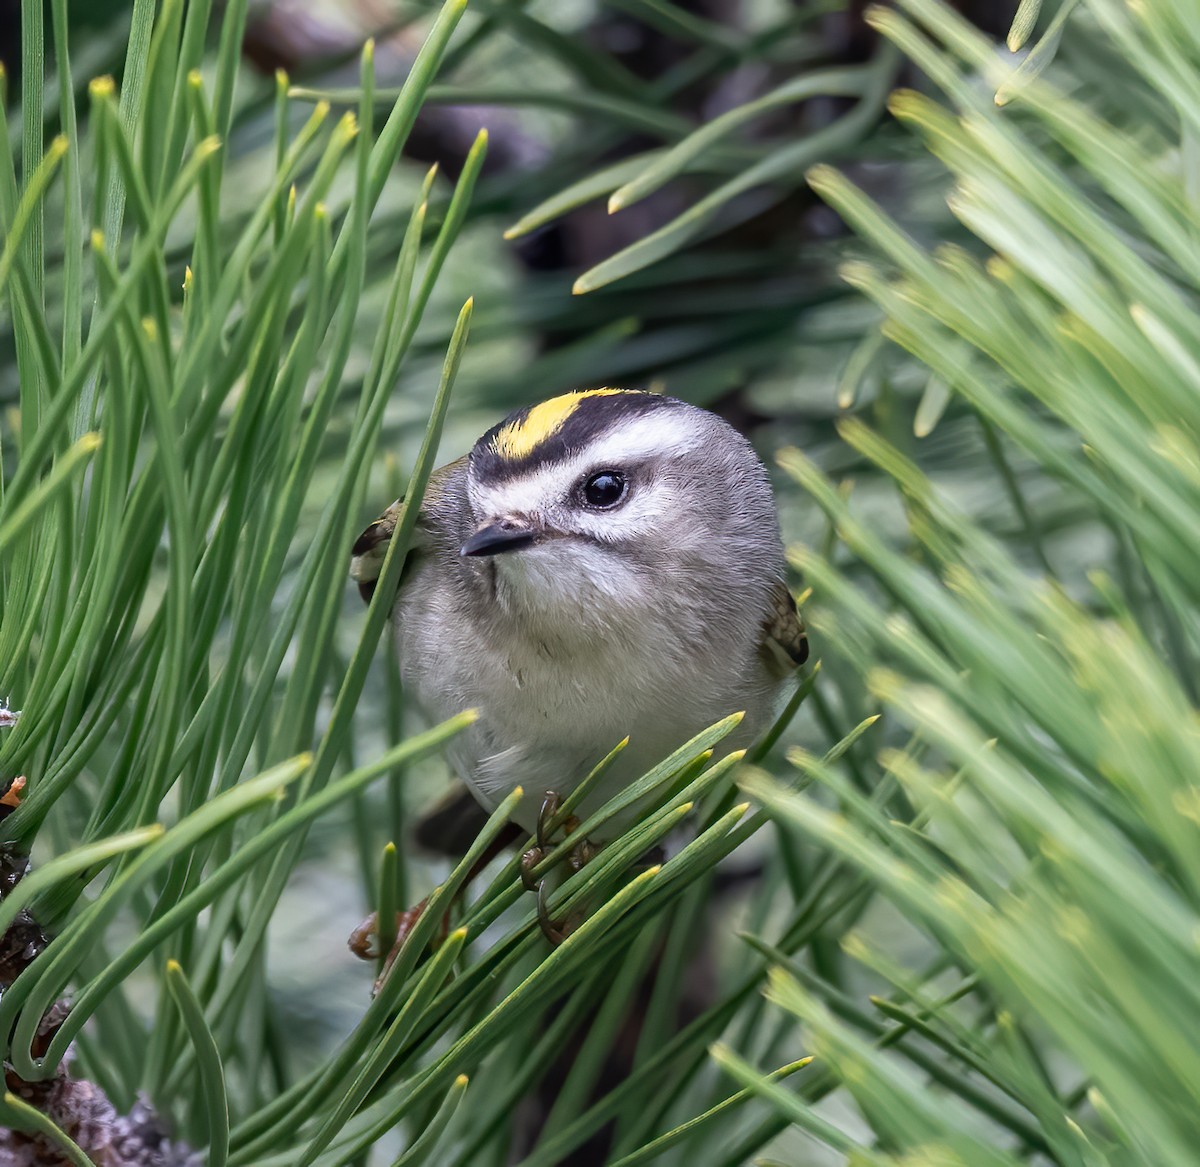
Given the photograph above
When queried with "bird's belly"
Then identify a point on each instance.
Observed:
(549, 764)
(544, 727)
(546, 718)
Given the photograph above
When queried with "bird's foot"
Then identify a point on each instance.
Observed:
(364, 940)
(554, 931)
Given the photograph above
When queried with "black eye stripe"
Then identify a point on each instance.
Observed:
(603, 489)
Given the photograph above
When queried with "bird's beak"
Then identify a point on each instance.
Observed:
(498, 536)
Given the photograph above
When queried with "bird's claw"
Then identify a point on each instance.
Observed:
(364, 940)
(529, 860)
(554, 931)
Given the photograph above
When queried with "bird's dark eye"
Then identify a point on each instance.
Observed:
(604, 489)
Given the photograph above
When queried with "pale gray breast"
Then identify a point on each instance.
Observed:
(545, 722)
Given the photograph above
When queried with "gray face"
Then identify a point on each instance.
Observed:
(637, 512)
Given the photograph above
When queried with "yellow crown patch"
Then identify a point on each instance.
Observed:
(523, 435)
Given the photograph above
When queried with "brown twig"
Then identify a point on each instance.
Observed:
(79, 1108)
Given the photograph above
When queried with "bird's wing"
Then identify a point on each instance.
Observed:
(370, 548)
(784, 640)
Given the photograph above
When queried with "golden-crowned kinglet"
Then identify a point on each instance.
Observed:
(606, 563)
